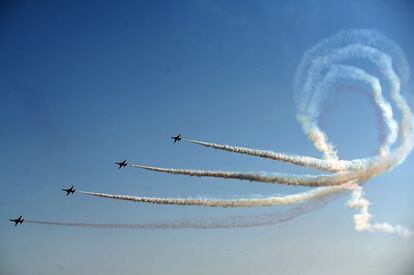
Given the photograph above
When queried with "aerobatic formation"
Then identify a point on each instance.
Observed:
(322, 66)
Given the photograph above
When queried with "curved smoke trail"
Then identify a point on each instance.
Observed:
(322, 67)
(211, 223)
(313, 195)
(286, 179)
(306, 161)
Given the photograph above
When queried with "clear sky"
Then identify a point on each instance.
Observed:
(86, 83)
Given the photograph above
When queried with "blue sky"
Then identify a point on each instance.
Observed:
(86, 83)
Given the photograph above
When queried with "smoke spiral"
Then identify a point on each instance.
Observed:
(324, 65)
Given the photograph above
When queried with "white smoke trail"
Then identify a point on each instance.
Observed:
(354, 73)
(362, 219)
(306, 161)
(310, 70)
(378, 167)
(279, 178)
(320, 69)
(308, 196)
(206, 223)
(366, 44)
(321, 56)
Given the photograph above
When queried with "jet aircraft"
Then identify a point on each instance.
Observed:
(69, 190)
(17, 221)
(177, 138)
(122, 164)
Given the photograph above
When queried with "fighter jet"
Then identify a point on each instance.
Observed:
(17, 221)
(122, 164)
(69, 190)
(177, 138)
